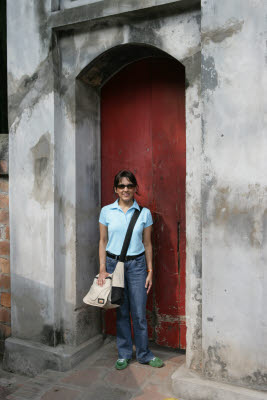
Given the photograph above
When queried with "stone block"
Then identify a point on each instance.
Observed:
(31, 358)
(191, 386)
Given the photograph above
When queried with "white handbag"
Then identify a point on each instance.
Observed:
(110, 295)
(100, 296)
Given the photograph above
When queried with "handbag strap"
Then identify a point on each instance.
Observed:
(129, 234)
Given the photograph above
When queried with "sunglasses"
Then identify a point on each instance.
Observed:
(130, 186)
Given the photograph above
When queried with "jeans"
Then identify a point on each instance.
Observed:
(135, 297)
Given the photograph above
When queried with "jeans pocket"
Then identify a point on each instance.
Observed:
(140, 263)
(110, 264)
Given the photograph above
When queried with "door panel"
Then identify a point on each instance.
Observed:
(143, 129)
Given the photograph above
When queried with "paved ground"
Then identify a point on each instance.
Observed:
(97, 379)
(9, 382)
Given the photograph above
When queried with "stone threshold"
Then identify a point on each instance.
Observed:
(191, 386)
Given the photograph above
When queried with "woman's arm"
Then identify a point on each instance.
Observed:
(148, 251)
(102, 254)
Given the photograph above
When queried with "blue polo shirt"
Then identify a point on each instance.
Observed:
(117, 222)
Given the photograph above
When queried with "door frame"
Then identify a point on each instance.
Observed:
(159, 84)
(88, 90)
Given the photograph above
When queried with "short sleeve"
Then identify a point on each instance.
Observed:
(102, 217)
(149, 220)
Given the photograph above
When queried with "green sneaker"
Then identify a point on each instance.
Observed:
(122, 363)
(156, 362)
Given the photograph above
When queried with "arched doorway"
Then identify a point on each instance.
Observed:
(143, 129)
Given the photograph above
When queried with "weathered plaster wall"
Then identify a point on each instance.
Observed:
(31, 104)
(5, 315)
(178, 36)
(234, 191)
(55, 160)
(55, 157)
(55, 169)
(193, 214)
(45, 267)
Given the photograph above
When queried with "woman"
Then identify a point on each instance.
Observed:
(113, 222)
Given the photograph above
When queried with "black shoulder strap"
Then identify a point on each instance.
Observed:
(129, 234)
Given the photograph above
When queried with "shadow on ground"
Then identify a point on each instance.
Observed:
(9, 383)
(96, 379)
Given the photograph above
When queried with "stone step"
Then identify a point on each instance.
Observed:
(191, 386)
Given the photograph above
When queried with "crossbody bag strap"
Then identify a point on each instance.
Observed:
(129, 234)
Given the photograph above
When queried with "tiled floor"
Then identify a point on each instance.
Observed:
(97, 379)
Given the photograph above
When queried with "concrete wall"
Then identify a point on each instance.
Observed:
(55, 154)
(234, 191)
(54, 115)
(79, 48)
(5, 302)
(31, 120)
(45, 270)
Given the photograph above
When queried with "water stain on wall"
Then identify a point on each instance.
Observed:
(241, 211)
(257, 380)
(209, 75)
(215, 366)
(42, 168)
(222, 33)
(26, 92)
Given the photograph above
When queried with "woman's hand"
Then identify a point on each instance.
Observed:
(102, 278)
(148, 284)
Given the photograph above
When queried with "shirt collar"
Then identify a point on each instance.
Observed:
(116, 205)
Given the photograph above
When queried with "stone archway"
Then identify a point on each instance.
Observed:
(88, 163)
(87, 93)
(110, 62)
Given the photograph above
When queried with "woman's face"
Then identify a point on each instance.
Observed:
(124, 191)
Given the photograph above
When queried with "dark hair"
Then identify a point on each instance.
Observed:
(125, 173)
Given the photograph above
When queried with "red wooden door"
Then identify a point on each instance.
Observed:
(143, 129)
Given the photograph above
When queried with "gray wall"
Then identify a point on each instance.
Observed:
(54, 114)
(31, 120)
(55, 154)
(86, 49)
(234, 191)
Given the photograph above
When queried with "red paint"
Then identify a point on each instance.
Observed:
(168, 334)
(143, 129)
